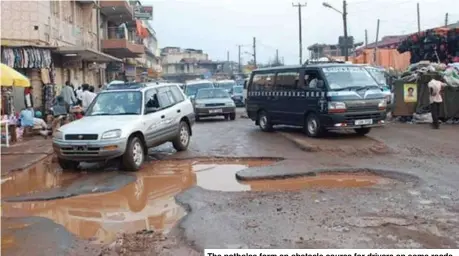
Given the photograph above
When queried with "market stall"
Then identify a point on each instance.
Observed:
(9, 78)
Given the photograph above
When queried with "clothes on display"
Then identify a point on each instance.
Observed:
(48, 96)
(435, 45)
(26, 57)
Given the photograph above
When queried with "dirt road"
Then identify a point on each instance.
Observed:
(396, 188)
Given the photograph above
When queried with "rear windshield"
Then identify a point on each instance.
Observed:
(342, 77)
(192, 89)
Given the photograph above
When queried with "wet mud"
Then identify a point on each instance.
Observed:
(148, 203)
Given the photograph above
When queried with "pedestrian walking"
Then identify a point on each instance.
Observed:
(435, 87)
(68, 94)
(87, 96)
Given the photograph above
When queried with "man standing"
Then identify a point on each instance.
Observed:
(68, 94)
(79, 94)
(87, 96)
(435, 87)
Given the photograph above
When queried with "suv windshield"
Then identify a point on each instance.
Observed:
(192, 89)
(212, 94)
(238, 89)
(116, 103)
(378, 75)
(343, 77)
(226, 85)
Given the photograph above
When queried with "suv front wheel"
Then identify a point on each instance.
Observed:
(182, 140)
(134, 155)
(68, 164)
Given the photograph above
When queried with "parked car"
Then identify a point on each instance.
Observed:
(316, 96)
(237, 94)
(227, 85)
(214, 102)
(192, 87)
(125, 123)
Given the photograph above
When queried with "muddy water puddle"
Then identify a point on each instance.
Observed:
(148, 203)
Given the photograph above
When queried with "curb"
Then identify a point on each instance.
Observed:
(27, 165)
(300, 144)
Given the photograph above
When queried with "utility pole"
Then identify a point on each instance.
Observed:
(366, 38)
(346, 46)
(239, 58)
(255, 51)
(446, 19)
(419, 18)
(277, 56)
(300, 33)
(377, 38)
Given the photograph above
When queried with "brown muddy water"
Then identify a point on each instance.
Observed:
(149, 202)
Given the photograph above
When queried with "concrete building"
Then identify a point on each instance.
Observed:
(79, 41)
(184, 64)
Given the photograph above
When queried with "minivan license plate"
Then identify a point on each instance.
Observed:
(215, 111)
(364, 122)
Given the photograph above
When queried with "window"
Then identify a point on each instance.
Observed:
(165, 97)
(151, 99)
(178, 96)
(287, 80)
(263, 82)
(311, 78)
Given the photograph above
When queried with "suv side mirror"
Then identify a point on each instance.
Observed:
(320, 84)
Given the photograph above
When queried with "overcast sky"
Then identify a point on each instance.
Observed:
(218, 26)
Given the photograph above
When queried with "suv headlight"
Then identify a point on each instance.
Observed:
(113, 134)
(58, 135)
(336, 107)
(382, 104)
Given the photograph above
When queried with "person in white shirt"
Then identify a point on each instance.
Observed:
(435, 87)
(79, 94)
(87, 97)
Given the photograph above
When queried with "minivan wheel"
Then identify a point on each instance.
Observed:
(264, 122)
(362, 131)
(182, 140)
(67, 164)
(134, 155)
(312, 126)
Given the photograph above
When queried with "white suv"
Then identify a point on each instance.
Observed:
(125, 123)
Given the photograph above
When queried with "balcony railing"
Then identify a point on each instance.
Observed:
(123, 33)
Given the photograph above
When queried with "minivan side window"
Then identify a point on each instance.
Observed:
(311, 77)
(287, 80)
(263, 82)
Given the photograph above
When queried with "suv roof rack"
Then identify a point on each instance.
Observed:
(328, 61)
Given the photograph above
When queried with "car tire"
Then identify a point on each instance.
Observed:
(362, 131)
(182, 140)
(312, 126)
(264, 122)
(134, 156)
(68, 164)
(232, 116)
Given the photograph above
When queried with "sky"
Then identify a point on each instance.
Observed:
(219, 26)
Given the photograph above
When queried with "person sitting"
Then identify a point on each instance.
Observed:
(29, 121)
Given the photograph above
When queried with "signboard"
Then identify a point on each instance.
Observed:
(143, 12)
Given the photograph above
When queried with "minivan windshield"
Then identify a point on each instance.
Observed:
(212, 94)
(226, 85)
(192, 89)
(378, 75)
(343, 77)
(116, 103)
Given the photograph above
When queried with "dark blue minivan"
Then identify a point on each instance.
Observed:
(317, 96)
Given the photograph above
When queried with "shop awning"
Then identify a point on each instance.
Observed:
(86, 54)
(10, 77)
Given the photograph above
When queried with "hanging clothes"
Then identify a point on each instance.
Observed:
(45, 76)
(26, 57)
(28, 98)
(48, 96)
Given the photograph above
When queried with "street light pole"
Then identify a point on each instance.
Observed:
(346, 47)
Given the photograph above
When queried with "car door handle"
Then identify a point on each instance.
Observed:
(163, 116)
(178, 110)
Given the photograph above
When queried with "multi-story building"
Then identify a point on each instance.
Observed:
(78, 41)
(184, 64)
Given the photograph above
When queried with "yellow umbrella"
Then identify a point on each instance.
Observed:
(11, 77)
